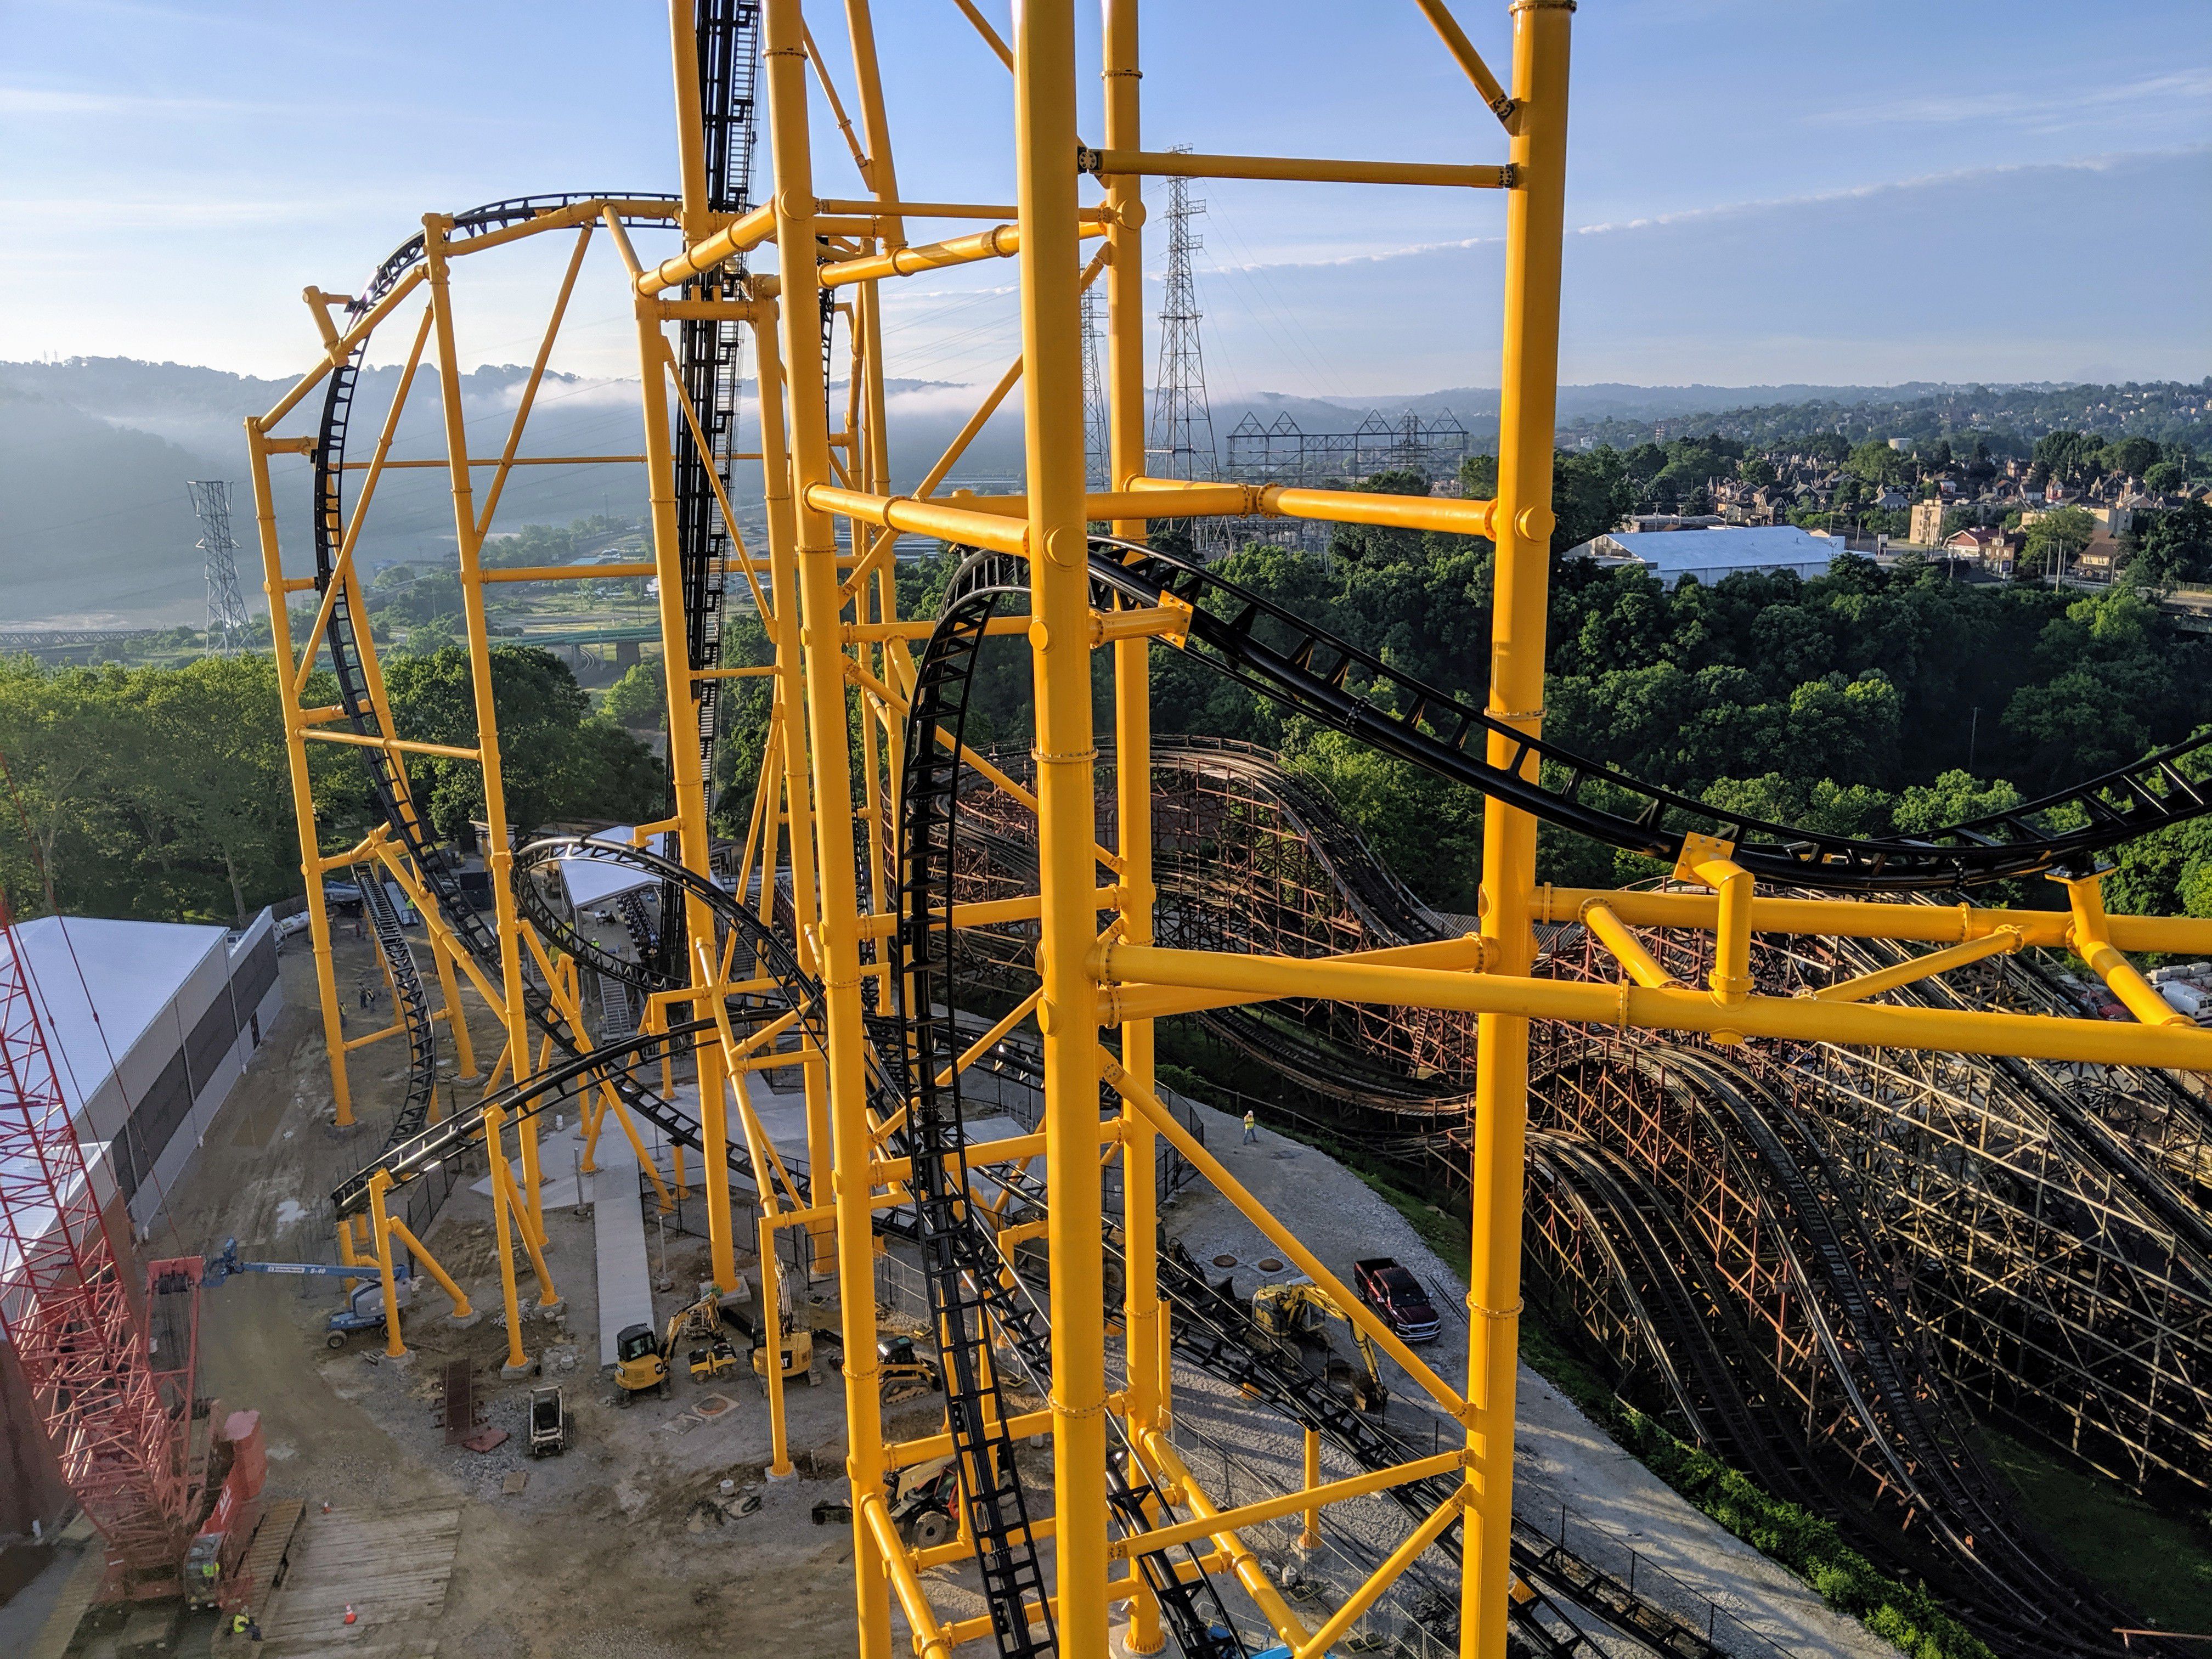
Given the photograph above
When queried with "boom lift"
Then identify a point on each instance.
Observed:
(364, 1310)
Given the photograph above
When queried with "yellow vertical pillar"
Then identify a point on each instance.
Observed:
(684, 759)
(1529, 373)
(498, 857)
(1132, 748)
(791, 702)
(838, 934)
(295, 744)
(518, 1362)
(457, 1017)
(381, 1230)
(1045, 139)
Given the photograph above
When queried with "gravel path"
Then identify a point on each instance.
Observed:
(1615, 1505)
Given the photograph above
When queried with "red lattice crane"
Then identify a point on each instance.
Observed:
(120, 1426)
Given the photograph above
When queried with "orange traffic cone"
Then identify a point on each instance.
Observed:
(351, 1616)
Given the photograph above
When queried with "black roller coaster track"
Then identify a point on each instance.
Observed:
(411, 1004)
(1257, 643)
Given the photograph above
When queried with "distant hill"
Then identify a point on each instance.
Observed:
(96, 528)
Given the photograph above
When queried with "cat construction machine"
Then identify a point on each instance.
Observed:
(1300, 1312)
(642, 1361)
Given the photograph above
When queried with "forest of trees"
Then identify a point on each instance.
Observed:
(165, 792)
(1868, 701)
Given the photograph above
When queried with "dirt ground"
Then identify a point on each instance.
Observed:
(606, 1550)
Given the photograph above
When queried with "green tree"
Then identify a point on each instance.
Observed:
(2175, 546)
(1876, 463)
(2054, 540)
(638, 702)
(1591, 492)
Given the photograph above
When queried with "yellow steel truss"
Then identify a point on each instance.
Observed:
(831, 617)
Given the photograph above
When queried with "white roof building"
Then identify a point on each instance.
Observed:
(149, 1024)
(1711, 554)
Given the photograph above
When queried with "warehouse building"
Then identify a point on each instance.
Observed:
(1713, 555)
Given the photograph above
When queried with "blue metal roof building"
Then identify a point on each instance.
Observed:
(1711, 555)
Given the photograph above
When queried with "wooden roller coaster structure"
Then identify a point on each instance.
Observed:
(841, 953)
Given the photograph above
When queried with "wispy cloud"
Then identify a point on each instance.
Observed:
(1749, 207)
(2045, 107)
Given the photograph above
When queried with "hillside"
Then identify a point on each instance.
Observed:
(96, 528)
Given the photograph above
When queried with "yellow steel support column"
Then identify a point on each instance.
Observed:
(431, 1265)
(838, 938)
(790, 722)
(1133, 765)
(498, 857)
(457, 1017)
(1534, 227)
(1045, 138)
(380, 1230)
(1309, 1538)
(303, 804)
(684, 759)
(518, 1362)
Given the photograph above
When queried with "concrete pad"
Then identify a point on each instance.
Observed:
(625, 1280)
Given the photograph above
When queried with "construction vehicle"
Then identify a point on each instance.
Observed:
(797, 1348)
(1400, 1298)
(904, 1374)
(1300, 1311)
(641, 1362)
(923, 1498)
(549, 1422)
(364, 1310)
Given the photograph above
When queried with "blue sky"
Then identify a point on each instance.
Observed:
(1859, 191)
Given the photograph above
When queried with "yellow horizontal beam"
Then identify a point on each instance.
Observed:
(1274, 1509)
(2032, 1036)
(392, 1029)
(519, 460)
(1444, 512)
(558, 573)
(1176, 164)
(905, 1454)
(725, 245)
(403, 745)
(1469, 952)
(761, 671)
(999, 242)
(1934, 924)
(913, 517)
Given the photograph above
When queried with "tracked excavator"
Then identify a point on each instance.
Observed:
(1301, 1312)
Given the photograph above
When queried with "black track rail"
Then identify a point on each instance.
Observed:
(413, 1001)
(1279, 656)
(953, 1263)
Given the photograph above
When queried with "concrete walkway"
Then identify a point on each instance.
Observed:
(625, 1280)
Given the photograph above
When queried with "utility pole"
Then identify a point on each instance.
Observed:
(1182, 442)
(226, 610)
(1097, 472)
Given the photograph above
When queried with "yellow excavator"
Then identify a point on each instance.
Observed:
(1301, 1312)
(641, 1361)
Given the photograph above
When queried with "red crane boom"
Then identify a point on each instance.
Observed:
(119, 1427)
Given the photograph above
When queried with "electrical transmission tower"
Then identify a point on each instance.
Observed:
(226, 610)
(1095, 467)
(1182, 442)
